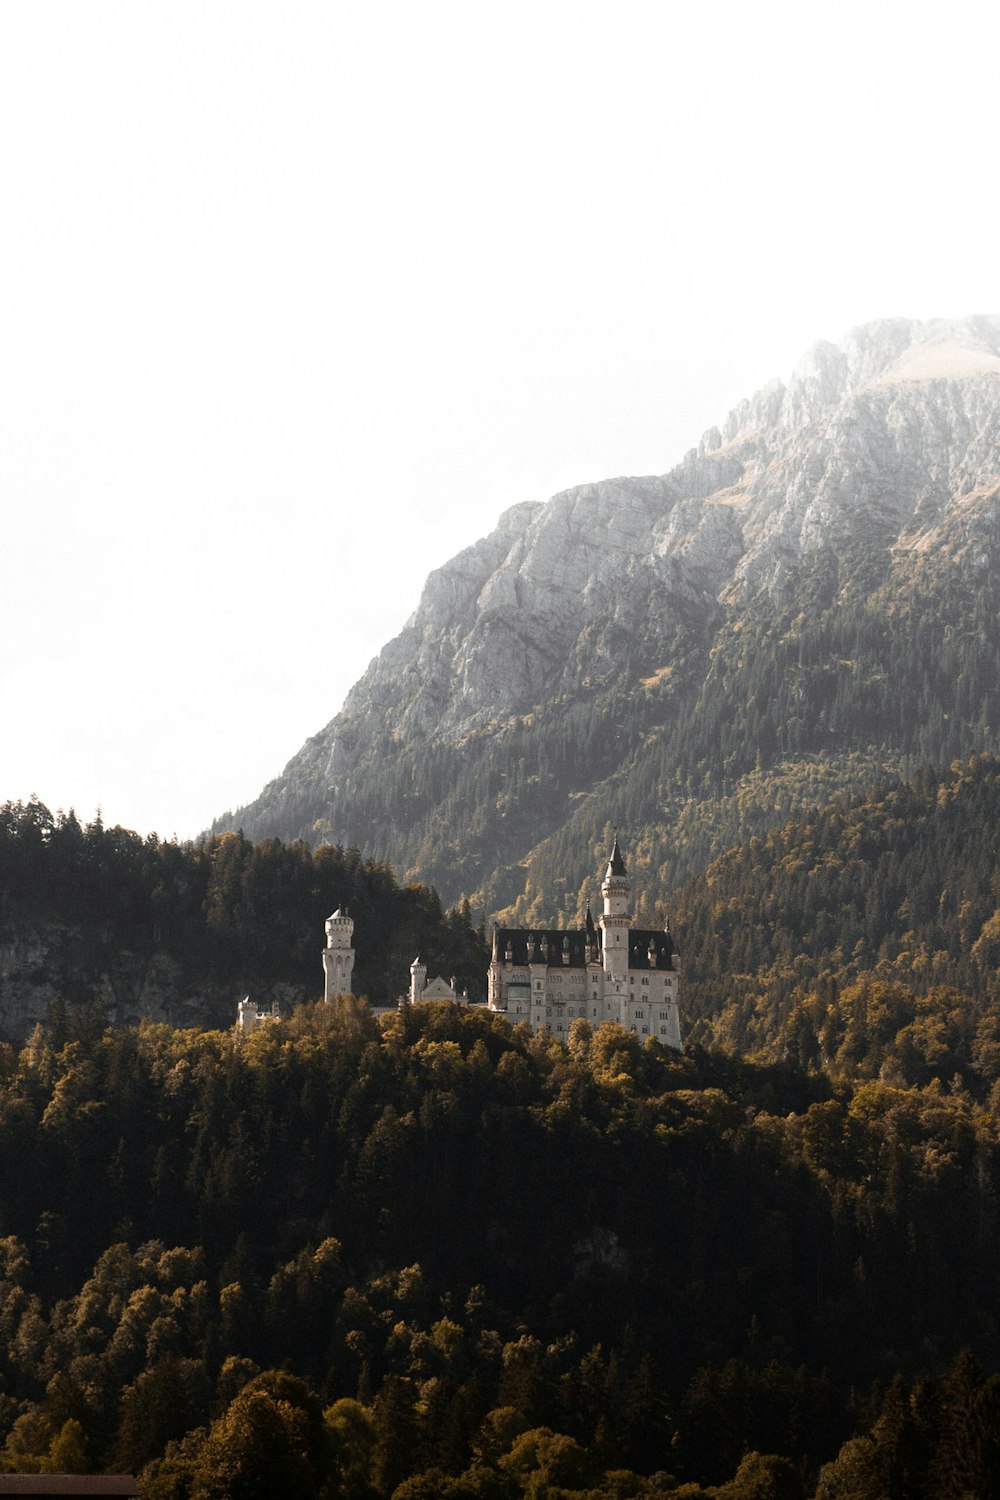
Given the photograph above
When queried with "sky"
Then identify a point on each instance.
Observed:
(296, 298)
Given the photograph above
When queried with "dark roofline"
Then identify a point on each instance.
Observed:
(559, 941)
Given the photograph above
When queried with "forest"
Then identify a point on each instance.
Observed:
(434, 1254)
(229, 915)
(863, 938)
(223, 1265)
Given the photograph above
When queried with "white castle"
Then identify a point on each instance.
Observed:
(612, 972)
(550, 977)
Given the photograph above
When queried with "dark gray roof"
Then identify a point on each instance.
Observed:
(616, 865)
(526, 946)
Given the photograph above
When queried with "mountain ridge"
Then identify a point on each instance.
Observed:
(548, 656)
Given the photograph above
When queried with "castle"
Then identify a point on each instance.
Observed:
(611, 972)
(549, 977)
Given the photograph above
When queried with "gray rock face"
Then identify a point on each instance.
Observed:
(890, 440)
(41, 968)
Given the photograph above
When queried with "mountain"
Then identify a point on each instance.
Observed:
(806, 605)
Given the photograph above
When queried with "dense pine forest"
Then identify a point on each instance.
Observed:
(863, 939)
(443, 1257)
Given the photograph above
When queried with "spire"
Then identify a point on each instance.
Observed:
(590, 929)
(616, 865)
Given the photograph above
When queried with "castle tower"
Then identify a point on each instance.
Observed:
(616, 919)
(338, 955)
(246, 1015)
(418, 980)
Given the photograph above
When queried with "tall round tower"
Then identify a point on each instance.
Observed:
(418, 979)
(616, 919)
(338, 955)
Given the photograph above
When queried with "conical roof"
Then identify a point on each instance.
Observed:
(616, 865)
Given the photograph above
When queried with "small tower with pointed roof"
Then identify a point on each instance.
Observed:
(338, 955)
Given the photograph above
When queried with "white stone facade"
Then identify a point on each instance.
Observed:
(619, 973)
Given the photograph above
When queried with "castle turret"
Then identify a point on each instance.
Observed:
(338, 955)
(249, 1015)
(616, 919)
(418, 980)
(246, 1014)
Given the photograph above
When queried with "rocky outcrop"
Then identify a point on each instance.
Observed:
(46, 966)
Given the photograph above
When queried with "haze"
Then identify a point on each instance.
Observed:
(296, 299)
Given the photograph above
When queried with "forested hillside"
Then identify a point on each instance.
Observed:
(860, 673)
(865, 668)
(182, 932)
(863, 937)
(225, 1266)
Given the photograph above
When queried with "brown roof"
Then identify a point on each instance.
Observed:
(43, 1485)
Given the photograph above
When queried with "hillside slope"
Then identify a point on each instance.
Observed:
(862, 938)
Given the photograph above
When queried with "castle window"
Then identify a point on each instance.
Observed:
(645, 979)
(645, 1031)
(663, 1015)
(640, 1014)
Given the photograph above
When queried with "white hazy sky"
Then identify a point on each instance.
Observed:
(296, 297)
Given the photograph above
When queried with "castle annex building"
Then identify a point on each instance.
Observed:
(611, 972)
